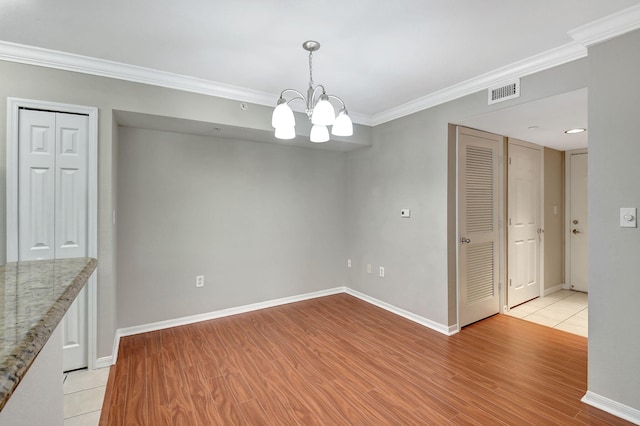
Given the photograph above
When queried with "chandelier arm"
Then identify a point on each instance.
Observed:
(313, 96)
(339, 100)
(300, 95)
(295, 98)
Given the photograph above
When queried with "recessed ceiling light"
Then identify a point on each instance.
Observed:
(533, 127)
(572, 131)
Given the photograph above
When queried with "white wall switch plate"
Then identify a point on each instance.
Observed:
(348, 263)
(628, 217)
(405, 213)
(382, 271)
(200, 281)
(368, 268)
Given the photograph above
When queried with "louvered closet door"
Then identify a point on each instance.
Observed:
(478, 214)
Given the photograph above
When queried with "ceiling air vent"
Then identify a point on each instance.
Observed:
(504, 92)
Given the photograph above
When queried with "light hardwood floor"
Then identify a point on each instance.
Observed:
(338, 360)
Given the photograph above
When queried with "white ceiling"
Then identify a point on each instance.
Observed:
(375, 55)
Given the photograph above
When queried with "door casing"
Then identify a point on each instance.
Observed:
(13, 107)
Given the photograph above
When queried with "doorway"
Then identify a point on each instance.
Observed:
(52, 155)
(577, 220)
(525, 276)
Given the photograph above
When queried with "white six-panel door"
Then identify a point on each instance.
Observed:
(52, 205)
(524, 222)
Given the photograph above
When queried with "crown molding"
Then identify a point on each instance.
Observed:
(594, 32)
(31, 55)
(549, 59)
(608, 27)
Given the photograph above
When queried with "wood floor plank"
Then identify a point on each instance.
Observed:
(137, 405)
(225, 402)
(255, 365)
(199, 388)
(181, 405)
(117, 388)
(341, 361)
(159, 405)
(254, 413)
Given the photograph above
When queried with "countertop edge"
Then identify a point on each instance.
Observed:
(38, 336)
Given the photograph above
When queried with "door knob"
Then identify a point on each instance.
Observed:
(465, 240)
(575, 231)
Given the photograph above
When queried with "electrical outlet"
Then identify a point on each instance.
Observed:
(368, 268)
(382, 271)
(348, 263)
(200, 281)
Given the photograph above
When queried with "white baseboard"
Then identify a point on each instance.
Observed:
(612, 407)
(160, 325)
(440, 328)
(548, 291)
(104, 362)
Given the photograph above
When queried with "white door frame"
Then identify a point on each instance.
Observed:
(502, 271)
(567, 213)
(541, 212)
(13, 107)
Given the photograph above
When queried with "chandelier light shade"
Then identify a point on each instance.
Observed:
(285, 132)
(283, 116)
(319, 133)
(323, 113)
(343, 125)
(319, 109)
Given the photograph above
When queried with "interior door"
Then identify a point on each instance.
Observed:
(578, 222)
(478, 230)
(524, 232)
(52, 206)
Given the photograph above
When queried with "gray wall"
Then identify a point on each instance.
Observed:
(553, 222)
(38, 83)
(259, 221)
(412, 165)
(614, 269)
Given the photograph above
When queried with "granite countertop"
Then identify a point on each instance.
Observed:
(34, 296)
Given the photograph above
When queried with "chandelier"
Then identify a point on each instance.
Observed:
(319, 109)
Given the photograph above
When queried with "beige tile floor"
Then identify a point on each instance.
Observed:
(565, 310)
(83, 396)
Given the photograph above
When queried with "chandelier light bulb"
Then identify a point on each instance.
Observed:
(319, 134)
